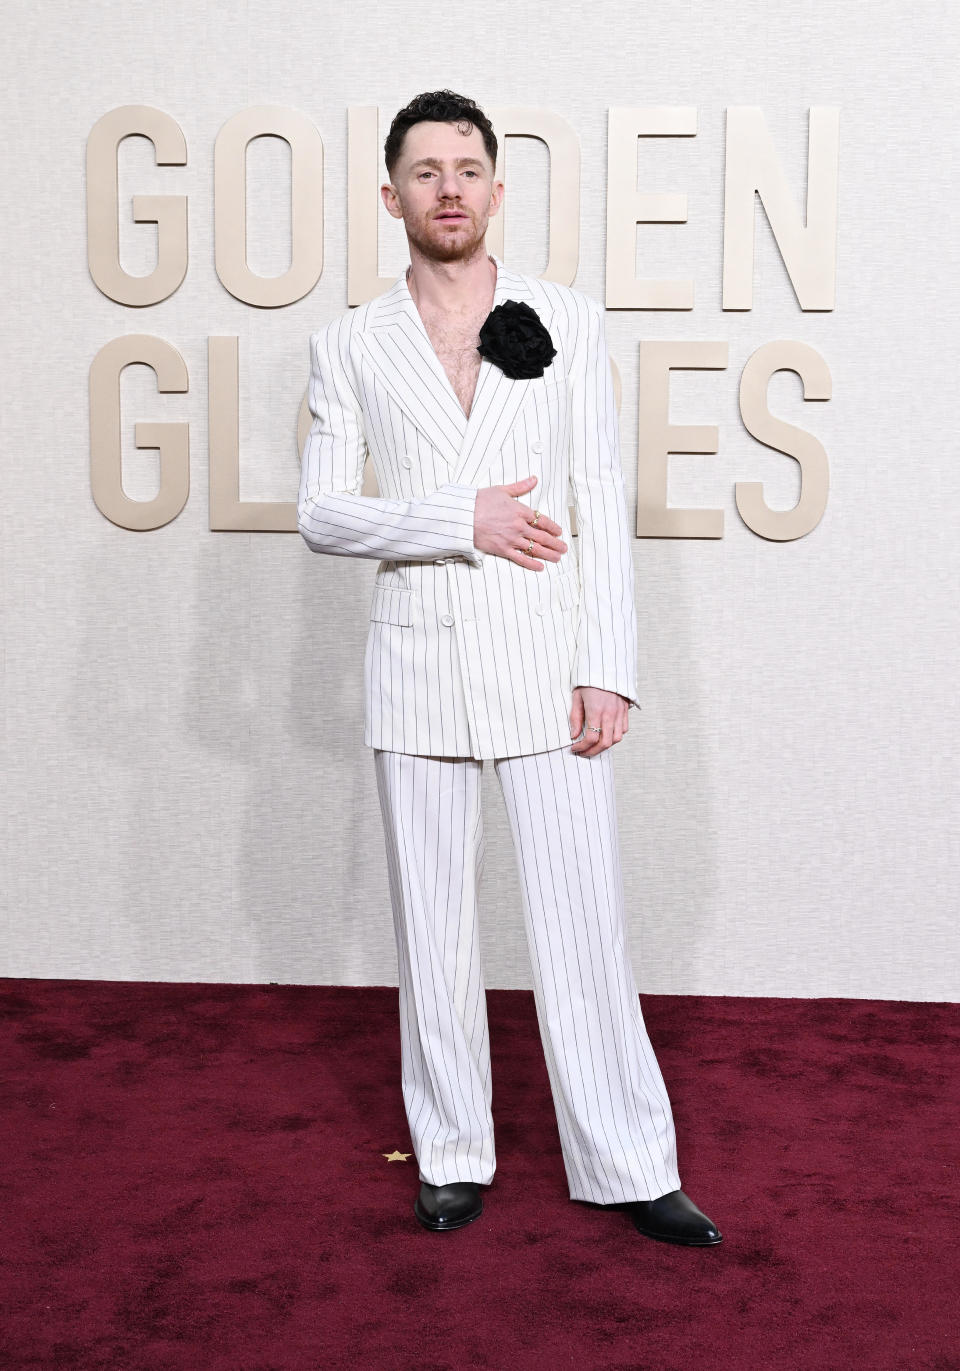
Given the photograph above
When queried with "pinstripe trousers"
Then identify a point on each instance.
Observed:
(615, 1122)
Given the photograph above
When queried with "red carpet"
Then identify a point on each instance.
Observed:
(193, 1179)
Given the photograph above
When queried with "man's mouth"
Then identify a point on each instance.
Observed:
(450, 214)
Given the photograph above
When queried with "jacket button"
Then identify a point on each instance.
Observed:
(406, 462)
(446, 619)
(536, 447)
(538, 609)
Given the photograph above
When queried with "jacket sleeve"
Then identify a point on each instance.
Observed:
(332, 515)
(607, 632)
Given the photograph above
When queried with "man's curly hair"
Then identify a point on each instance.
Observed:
(445, 107)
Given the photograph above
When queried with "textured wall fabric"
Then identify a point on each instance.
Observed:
(187, 795)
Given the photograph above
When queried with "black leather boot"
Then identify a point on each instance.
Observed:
(439, 1207)
(673, 1218)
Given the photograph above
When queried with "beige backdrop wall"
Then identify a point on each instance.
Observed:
(186, 793)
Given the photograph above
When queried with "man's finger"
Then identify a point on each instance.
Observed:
(543, 522)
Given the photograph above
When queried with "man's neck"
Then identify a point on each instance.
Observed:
(452, 287)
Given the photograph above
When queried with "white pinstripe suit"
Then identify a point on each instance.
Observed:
(471, 657)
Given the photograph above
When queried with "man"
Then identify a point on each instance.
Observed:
(470, 386)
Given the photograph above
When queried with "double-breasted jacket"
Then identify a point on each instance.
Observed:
(469, 654)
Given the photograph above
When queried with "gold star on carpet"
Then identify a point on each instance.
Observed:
(396, 1156)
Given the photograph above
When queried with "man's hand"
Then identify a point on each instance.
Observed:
(504, 526)
(606, 710)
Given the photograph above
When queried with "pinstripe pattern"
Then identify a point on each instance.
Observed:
(468, 654)
(615, 1123)
(470, 657)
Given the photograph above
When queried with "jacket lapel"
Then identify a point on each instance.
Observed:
(398, 347)
(399, 350)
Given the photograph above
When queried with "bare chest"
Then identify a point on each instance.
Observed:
(455, 343)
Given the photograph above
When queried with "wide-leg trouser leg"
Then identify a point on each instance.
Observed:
(616, 1125)
(433, 830)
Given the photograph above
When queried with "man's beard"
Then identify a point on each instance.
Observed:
(448, 247)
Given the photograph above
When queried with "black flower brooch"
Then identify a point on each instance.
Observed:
(513, 338)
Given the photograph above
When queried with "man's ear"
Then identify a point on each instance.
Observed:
(388, 193)
(496, 198)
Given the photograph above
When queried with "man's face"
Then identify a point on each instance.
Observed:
(443, 190)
